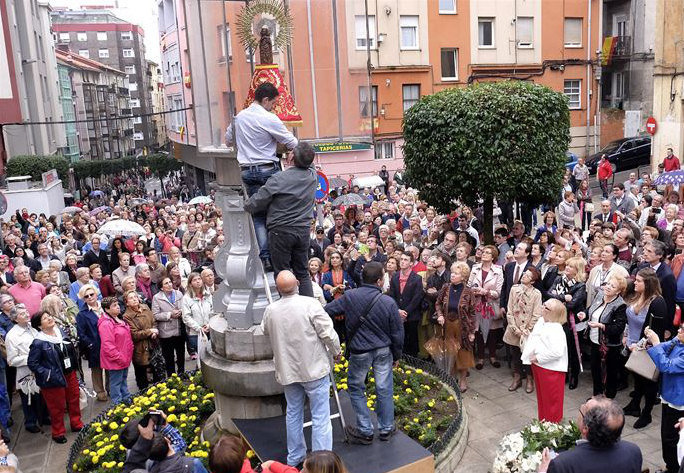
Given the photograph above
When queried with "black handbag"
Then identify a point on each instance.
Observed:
(157, 362)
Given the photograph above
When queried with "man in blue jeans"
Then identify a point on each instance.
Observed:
(257, 133)
(375, 335)
(303, 340)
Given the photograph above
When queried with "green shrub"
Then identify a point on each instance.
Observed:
(34, 166)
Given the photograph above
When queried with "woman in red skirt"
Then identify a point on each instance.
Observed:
(547, 351)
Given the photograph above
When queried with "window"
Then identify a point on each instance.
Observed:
(138, 136)
(524, 31)
(363, 101)
(618, 86)
(82, 36)
(126, 35)
(384, 150)
(103, 53)
(410, 94)
(64, 38)
(449, 64)
(225, 30)
(572, 33)
(249, 54)
(447, 6)
(128, 53)
(102, 36)
(135, 103)
(129, 69)
(408, 27)
(84, 53)
(137, 120)
(572, 88)
(485, 32)
(133, 87)
(360, 26)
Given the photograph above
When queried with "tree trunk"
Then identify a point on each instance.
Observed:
(488, 217)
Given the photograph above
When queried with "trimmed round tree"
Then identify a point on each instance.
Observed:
(504, 140)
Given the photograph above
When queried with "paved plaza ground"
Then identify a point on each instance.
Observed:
(492, 410)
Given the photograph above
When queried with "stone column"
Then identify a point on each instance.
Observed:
(238, 363)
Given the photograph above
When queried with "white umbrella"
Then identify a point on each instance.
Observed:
(71, 210)
(200, 199)
(122, 227)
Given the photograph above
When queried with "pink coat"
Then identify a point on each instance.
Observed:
(116, 349)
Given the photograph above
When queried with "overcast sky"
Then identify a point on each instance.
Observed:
(139, 12)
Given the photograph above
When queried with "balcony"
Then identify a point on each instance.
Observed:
(128, 132)
(124, 91)
(621, 49)
(126, 111)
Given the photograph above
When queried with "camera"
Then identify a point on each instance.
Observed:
(155, 416)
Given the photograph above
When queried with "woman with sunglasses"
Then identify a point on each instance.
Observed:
(547, 352)
(89, 337)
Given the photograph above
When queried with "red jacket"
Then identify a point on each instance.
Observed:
(274, 468)
(671, 163)
(605, 171)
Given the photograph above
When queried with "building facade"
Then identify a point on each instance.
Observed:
(158, 104)
(99, 100)
(414, 47)
(627, 66)
(668, 83)
(103, 37)
(29, 83)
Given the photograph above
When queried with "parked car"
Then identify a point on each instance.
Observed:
(626, 153)
(571, 161)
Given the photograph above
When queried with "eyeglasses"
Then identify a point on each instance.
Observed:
(320, 232)
(544, 306)
(581, 413)
(89, 295)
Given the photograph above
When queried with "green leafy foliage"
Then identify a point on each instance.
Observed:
(103, 168)
(34, 166)
(163, 164)
(498, 139)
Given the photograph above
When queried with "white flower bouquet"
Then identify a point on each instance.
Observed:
(521, 452)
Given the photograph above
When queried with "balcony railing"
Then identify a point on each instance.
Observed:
(622, 47)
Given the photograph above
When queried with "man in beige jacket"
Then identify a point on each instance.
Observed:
(303, 340)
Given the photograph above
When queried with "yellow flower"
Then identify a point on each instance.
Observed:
(250, 454)
(429, 425)
(119, 465)
(86, 451)
(171, 418)
(98, 430)
(415, 400)
(415, 419)
(95, 459)
(171, 408)
(99, 444)
(114, 437)
(409, 390)
(431, 403)
(126, 419)
(113, 425)
(450, 398)
(419, 371)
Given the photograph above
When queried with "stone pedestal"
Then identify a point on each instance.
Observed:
(238, 363)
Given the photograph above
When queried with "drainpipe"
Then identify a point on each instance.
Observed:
(313, 71)
(597, 141)
(588, 84)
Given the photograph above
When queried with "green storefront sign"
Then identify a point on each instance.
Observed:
(340, 146)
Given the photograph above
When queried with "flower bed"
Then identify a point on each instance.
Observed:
(521, 452)
(186, 402)
(423, 407)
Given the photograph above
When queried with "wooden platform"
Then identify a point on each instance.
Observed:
(401, 454)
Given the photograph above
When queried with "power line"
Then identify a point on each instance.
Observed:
(88, 120)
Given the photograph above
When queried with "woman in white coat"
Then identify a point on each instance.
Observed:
(547, 351)
(197, 307)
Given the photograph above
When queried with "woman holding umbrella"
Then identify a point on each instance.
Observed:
(455, 311)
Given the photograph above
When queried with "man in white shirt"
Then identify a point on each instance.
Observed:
(257, 133)
(303, 340)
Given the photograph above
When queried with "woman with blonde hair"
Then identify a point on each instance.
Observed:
(197, 307)
(547, 352)
(606, 318)
(569, 288)
(455, 311)
(89, 336)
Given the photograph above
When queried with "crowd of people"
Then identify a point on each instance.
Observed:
(71, 293)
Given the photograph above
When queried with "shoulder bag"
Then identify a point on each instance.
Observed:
(362, 320)
(640, 362)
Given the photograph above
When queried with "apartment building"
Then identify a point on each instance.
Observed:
(101, 36)
(158, 104)
(99, 100)
(29, 84)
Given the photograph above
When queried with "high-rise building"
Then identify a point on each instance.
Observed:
(29, 85)
(99, 99)
(101, 36)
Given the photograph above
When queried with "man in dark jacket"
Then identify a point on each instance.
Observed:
(288, 198)
(406, 288)
(318, 244)
(96, 255)
(654, 256)
(600, 423)
(375, 338)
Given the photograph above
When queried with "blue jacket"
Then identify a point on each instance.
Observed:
(88, 336)
(383, 327)
(327, 279)
(669, 359)
(46, 363)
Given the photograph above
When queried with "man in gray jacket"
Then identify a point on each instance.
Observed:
(288, 199)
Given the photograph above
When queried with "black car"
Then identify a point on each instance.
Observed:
(626, 153)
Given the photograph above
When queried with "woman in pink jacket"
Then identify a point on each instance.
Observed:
(116, 349)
